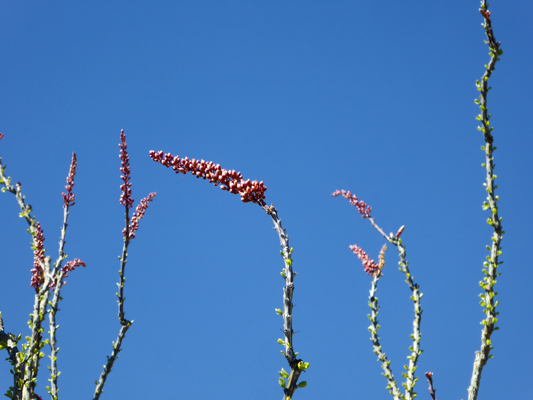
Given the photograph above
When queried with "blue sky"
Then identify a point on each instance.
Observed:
(309, 97)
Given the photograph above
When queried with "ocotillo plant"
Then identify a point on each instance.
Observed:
(48, 279)
(254, 192)
(489, 267)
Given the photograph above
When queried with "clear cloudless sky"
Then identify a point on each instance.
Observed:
(376, 97)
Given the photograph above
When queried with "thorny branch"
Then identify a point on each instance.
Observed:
(297, 365)
(491, 265)
(410, 377)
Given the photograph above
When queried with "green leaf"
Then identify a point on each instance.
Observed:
(302, 384)
(303, 366)
(283, 373)
(282, 383)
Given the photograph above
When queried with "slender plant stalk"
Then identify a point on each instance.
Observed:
(373, 328)
(410, 376)
(125, 324)
(296, 365)
(58, 275)
(34, 353)
(491, 265)
(54, 373)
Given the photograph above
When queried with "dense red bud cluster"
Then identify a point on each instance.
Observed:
(68, 197)
(231, 181)
(71, 265)
(1, 136)
(37, 278)
(362, 207)
(125, 197)
(68, 267)
(371, 267)
(138, 215)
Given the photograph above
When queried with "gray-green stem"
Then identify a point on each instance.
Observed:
(288, 291)
(58, 277)
(125, 324)
(373, 328)
(491, 265)
(410, 375)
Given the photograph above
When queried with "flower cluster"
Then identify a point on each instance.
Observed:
(228, 180)
(1, 136)
(362, 207)
(371, 267)
(138, 215)
(125, 197)
(37, 278)
(68, 197)
(71, 265)
(68, 267)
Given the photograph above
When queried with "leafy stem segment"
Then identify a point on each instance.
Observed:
(296, 365)
(373, 328)
(491, 265)
(125, 324)
(409, 375)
